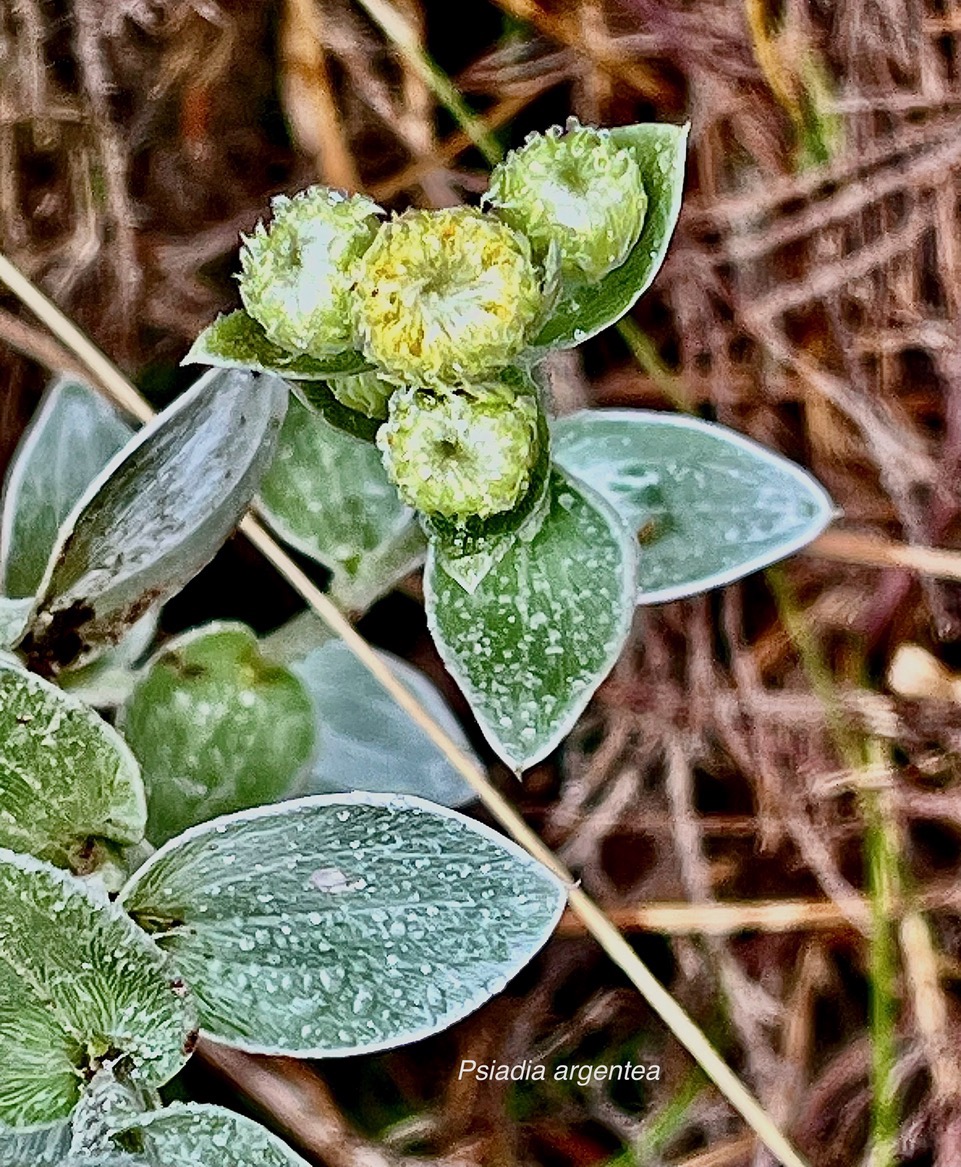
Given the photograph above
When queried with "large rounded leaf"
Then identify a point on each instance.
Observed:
(156, 514)
(541, 631)
(708, 505)
(343, 923)
(216, 728)
(194, 1135)
(67, 779)
(78, 982)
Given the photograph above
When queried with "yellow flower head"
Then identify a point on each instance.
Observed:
(445, 298)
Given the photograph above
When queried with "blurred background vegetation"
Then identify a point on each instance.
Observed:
(765, 794)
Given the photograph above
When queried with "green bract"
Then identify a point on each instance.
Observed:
(579, 190)
(368, 393)
(457, 455)
(295, 275)
(446, 297)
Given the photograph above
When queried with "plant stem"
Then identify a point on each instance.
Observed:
(881, 856)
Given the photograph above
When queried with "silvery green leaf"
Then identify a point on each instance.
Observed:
(14, 615)
(67, 779)
(37, 1146)
(78, 981)
(108, 1101)
(216, 728)
(584, 310)
(365, 741)
(531, 645)
(72, 436)
(237, 341)
(105, 1159)
(295, 638)
(708, 505)
(156, 514)
(327, 495)
(196, 1135)
(343, 923)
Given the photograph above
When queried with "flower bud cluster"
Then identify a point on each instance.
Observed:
(441, 302)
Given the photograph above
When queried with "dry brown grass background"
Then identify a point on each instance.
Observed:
(724, 789)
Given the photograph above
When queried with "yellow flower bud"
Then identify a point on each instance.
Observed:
(456, 455)
(445, 298)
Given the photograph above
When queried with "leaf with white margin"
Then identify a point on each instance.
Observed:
(237, 341)
(343, 923)
(532, 644)
(105, 1159)
(38, 1146)
(709, 506)
(67, 778)
(365, 741)
(196, 1135)
(586, 309)
(78, 982)
(216, 728)
(14, 615)
(72, 436)
(327, 494)
(156, 515)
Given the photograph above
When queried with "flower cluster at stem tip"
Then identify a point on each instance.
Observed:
(440, 303)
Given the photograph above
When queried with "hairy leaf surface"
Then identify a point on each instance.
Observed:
(40, 1146)
(343, 923)
(78, 981)
(72, 436)
(67, 778)
(327, 495)
(157, 513)
(216, 728)
(532, 643)
(365, 741)
(708, 505)
(196, 1135)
